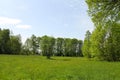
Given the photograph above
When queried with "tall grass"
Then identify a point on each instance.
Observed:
(13, 67)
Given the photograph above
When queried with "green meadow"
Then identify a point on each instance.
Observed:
(21, 67)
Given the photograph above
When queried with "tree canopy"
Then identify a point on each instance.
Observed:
(104, 39)
(104, 11)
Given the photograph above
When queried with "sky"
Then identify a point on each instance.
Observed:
(57, 18)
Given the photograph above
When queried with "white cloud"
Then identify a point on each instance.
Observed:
(6, 20)
(23, 26)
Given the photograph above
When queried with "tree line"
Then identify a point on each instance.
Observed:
(50, 46)
(45, 45)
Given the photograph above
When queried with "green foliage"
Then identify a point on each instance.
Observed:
(4, 41)
(98, 42)
(104, 41)
(31, 46)
(59, 47)
(103, 11)
(50, 46)
(15, 44)
(72, 47)
(79, 48)
(26, 47)
(112, 43)
(9, 44)
(87, 45)
(67, 47)
(47, 46)
(14, 67)
(34, 44)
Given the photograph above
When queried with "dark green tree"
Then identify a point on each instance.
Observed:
(47, 46)
(15, 44)
(79, 48)
(74, 45)
(4, 41)
(59, 47)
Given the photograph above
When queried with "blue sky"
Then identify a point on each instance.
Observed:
(58, 18)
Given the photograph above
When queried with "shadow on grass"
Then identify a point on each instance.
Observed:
(51, 59)
(59, 59)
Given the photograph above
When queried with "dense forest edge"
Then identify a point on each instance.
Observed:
(45, 45)
(103, 43)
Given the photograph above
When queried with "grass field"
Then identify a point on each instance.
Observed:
(13, 67)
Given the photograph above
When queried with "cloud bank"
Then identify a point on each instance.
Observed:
(16, 22)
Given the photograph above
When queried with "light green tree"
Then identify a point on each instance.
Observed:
(106, 16)
(31, 46)
(15, 44)
(87, 45)
(74, 45)
(67, 47)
